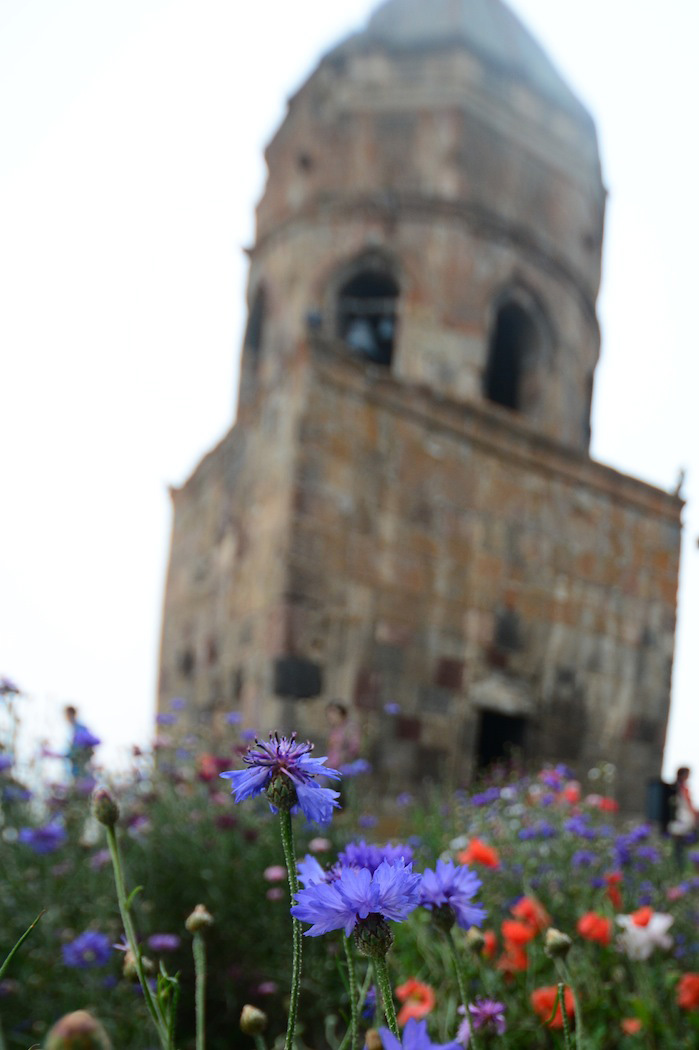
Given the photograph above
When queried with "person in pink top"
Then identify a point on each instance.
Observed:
(685, 821)
(343, 736)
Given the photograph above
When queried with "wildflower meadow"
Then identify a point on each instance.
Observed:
(306, 909)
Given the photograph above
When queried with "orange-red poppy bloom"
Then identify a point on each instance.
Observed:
(529, 910)
(594, 927)
(613, 891)
(631, 1025)
(688, 991)
(642, 916)
(514, 959)
(516, 932)
(477, 852)
(417, 998)
(542, 1000)
(571, 793)
(491, 944)
(608, 805)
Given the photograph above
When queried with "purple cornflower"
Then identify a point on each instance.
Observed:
(415, 1037)
(392, 708)
(362, 855)
(46, 839)
(579, 825)
(311, 872)
(583, 858)
(163, 942)
(541, 830)
(285, 770)
(369, 1008)
(489, 1015)
(166, 718)
(6, 762)
(178, 703)
(448, 892)
(406, 799)
(391, 892)
(367, 820)
(356, 768)
(485, 798)
(89, 949)
(234, 718)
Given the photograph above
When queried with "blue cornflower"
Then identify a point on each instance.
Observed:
(6, 762)
(89, 949)
(415, 1037)
(489, 1015)
(46, 839)
(579, 825)
(83, 738)
(311, 871)
(363, 855)
(166, 718)
(369, 1008)
(583, 858)
(541, 830)
(484, 798)
(284, 770)
(356, 768)
(391, 892)
(448, 893)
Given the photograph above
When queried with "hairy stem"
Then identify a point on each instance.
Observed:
(384, 982)
(151, 1002)
(199, 952)
(352, 980)
(564, 1014)
(287, 833)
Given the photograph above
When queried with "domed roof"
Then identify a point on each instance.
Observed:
(486, 27)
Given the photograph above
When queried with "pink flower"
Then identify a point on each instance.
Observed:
(275, 873)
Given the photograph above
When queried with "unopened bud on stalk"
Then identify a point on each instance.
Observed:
(373, 1040)
(129, 969)
(373, 936)
(105, 808)
(200, 919)
(475, 941)
(557, 944)
(78, 1031)
(282, 793)
(253, 1021)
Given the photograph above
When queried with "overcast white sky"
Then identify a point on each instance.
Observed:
(131, 137)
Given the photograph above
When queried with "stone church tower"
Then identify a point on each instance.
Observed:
(405, 512)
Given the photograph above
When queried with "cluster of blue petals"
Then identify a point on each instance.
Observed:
(283, 756)
(392, 891)
(454, 886)
(89, 949)
(415, 1037)
(45, 839)
(363, 855)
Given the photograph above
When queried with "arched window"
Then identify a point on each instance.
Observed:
(515, 346)
(366, 315)
(254, 330)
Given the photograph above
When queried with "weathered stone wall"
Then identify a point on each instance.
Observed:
(451, 560)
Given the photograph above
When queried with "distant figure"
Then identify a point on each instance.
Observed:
(343, 738)
(82, 745)
(685, 820)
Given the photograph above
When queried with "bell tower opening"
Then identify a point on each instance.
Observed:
(366, 315)
(500, 737)
(514, 346)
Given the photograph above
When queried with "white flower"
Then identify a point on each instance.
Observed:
(638, 941)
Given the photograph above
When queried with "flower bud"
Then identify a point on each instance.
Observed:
(129, 968)
(200, 919)
(443, 917)
(282, 793)
(253, 1021)
(105, 808)
(556, 943)
(373, 1040)
(373, 936)
(475, 941)
(78, 1031)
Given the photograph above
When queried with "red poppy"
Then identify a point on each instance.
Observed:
(631, 1025)
(491, 944)
(571, 793)
(518, 933)
(478, 852)
(608, 805)
(417, 998)
(642, 916)
(613, 893)
(688, 991)
(542, 1000)
(594, 927)
(530, 911)
(514, 959)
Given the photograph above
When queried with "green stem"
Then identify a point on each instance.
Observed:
(260, 1043)
(384, 983)
(287, 832)
(564, 1014)
(152, 1004)
(564, 972)
(199, 952)
(352, 979)
(473, 1041)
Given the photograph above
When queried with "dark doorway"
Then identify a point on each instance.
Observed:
(513, 348)
(498, 737)
(366, 315)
